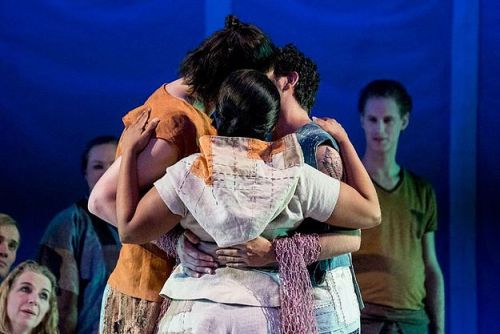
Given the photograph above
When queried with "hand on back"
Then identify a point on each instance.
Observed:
(137, 135)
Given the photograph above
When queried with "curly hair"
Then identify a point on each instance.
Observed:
(48, 325)
(389, 89)
(290, 59)
(238, 46)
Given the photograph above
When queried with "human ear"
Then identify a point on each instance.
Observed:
(405, 121)
(292, 78)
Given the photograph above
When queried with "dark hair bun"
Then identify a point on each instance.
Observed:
(231, 22)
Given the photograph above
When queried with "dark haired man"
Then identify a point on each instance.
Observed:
(397, 268)
(334, 285)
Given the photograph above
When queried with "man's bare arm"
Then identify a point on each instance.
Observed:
(434, 286)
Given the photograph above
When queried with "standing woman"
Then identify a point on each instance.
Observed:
(28, 303)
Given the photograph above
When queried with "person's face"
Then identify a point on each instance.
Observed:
(382, 123)
(99, 159)
(28, 301)
(9, 242)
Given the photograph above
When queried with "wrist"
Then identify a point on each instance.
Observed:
(129, 152)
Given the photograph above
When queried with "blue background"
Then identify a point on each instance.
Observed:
(70, 69)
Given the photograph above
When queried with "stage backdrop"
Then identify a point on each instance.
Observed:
(69, 70)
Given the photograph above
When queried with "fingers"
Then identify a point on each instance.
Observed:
(195, 261)
(195, 274)
(231, 259)
(200, 265)
(228, 252)
(142, 120)
(150, 127)
(193, 238)
(192, 261)
(325, 120)
(194, 253)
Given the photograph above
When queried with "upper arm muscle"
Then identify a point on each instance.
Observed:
(151, 165)
(329, 161)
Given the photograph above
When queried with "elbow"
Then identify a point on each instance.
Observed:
(93, 204)
(375, 218)
(99, 203)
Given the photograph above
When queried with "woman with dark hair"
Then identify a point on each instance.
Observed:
(28, 303)
(132, 302)
(237, 188)
(81, 249)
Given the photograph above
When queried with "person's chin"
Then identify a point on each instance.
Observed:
(3, 272)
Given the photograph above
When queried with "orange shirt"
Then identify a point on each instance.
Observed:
(142, 270)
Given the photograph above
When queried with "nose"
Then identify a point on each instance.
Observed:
(380, 126)
(4, 249)
(33, 300)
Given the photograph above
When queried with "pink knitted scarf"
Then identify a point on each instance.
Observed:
(168, 241)
(293, 255)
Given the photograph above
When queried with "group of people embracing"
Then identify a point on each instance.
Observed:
(237, 211)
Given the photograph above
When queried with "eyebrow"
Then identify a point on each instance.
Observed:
(29, 283)
(26, 283)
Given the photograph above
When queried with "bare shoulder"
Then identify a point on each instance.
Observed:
(177, 88)
(329, 161)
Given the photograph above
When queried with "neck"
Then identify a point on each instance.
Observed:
(292, 117)
(382, 167)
